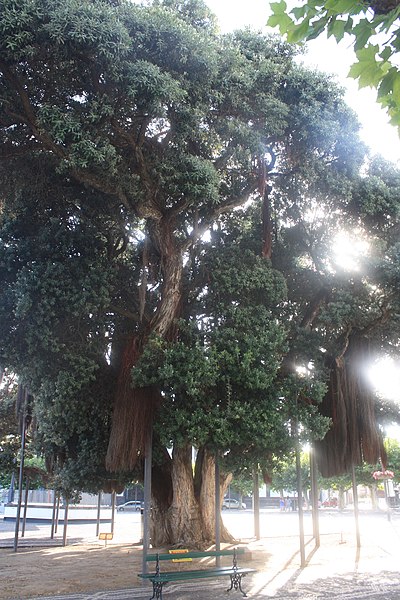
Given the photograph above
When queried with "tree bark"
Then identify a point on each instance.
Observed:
(184, 516)
(374, 497)
(134, 408)
(179, 523)
(206, 494)
(383, 7)
(341, 502)
(266, 224)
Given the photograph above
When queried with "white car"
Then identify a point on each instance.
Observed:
(232, 503)
(131, 505)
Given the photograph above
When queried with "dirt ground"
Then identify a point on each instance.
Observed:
(50, 571)
(87, 565)
(33, 572)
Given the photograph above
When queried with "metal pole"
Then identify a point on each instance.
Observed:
(355, 504)
(21, 474)
(147, 500)
(11, 491)
(217, 510)
(65, 522)
(314, 497)
(256, 503)
(113, 495)
(25, 506)
(300, 503)
(98, 515)
(53, 516)
(57, 512)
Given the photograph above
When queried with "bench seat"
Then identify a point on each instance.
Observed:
(159, 579)
(196, 574)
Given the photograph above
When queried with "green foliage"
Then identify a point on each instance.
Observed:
(242, 482)
(376, 64)
(339, 483)
(393, 451)
(284, 473)
(219, 377)
(127, 132)
(10, 441)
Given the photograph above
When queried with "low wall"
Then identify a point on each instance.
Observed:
(44, 512)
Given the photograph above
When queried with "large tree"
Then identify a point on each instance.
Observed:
(127, 133)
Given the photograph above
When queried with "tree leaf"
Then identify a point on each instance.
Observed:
(349, 25)
(299, 32)
(283, 21)
(278, 7)
(336, 27)
(317, 27)
(396, 86)
(362, 32)
(299, 11)
(386, 53)
(368, 70)
(387, 83)
(340, 6)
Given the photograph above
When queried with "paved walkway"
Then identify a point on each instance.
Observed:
(349, 587)
(340, 588)
(337, 570)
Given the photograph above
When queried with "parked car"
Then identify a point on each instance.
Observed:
(232, 503)
(332, 503)
(131, 505)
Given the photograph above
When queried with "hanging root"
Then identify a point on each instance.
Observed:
(133, 415)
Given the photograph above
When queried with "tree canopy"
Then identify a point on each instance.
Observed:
(374, 29)
(169, 199)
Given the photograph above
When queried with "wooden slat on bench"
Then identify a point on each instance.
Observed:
(198, 574)
(195, 554)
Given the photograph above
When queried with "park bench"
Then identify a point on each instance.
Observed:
(159, 579)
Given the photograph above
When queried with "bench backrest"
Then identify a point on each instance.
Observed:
(195, 554)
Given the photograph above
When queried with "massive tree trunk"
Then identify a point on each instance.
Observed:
(184, 501)
(205, 487)
(133, 414)
(134, 408)
(178, 522)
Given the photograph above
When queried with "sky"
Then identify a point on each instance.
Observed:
(327, 56)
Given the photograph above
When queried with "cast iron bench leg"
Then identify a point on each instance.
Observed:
(236, 582)
(157, 590)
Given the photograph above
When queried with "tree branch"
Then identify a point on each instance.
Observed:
(218, 211)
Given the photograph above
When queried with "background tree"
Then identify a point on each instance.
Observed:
(393, 452)
(242, 484)
(10, 441)
(373, 28)
(284, 475)
(339, 485)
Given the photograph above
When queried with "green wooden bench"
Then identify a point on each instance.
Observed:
(159, 579)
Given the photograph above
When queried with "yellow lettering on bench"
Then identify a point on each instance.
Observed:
(180, 551)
